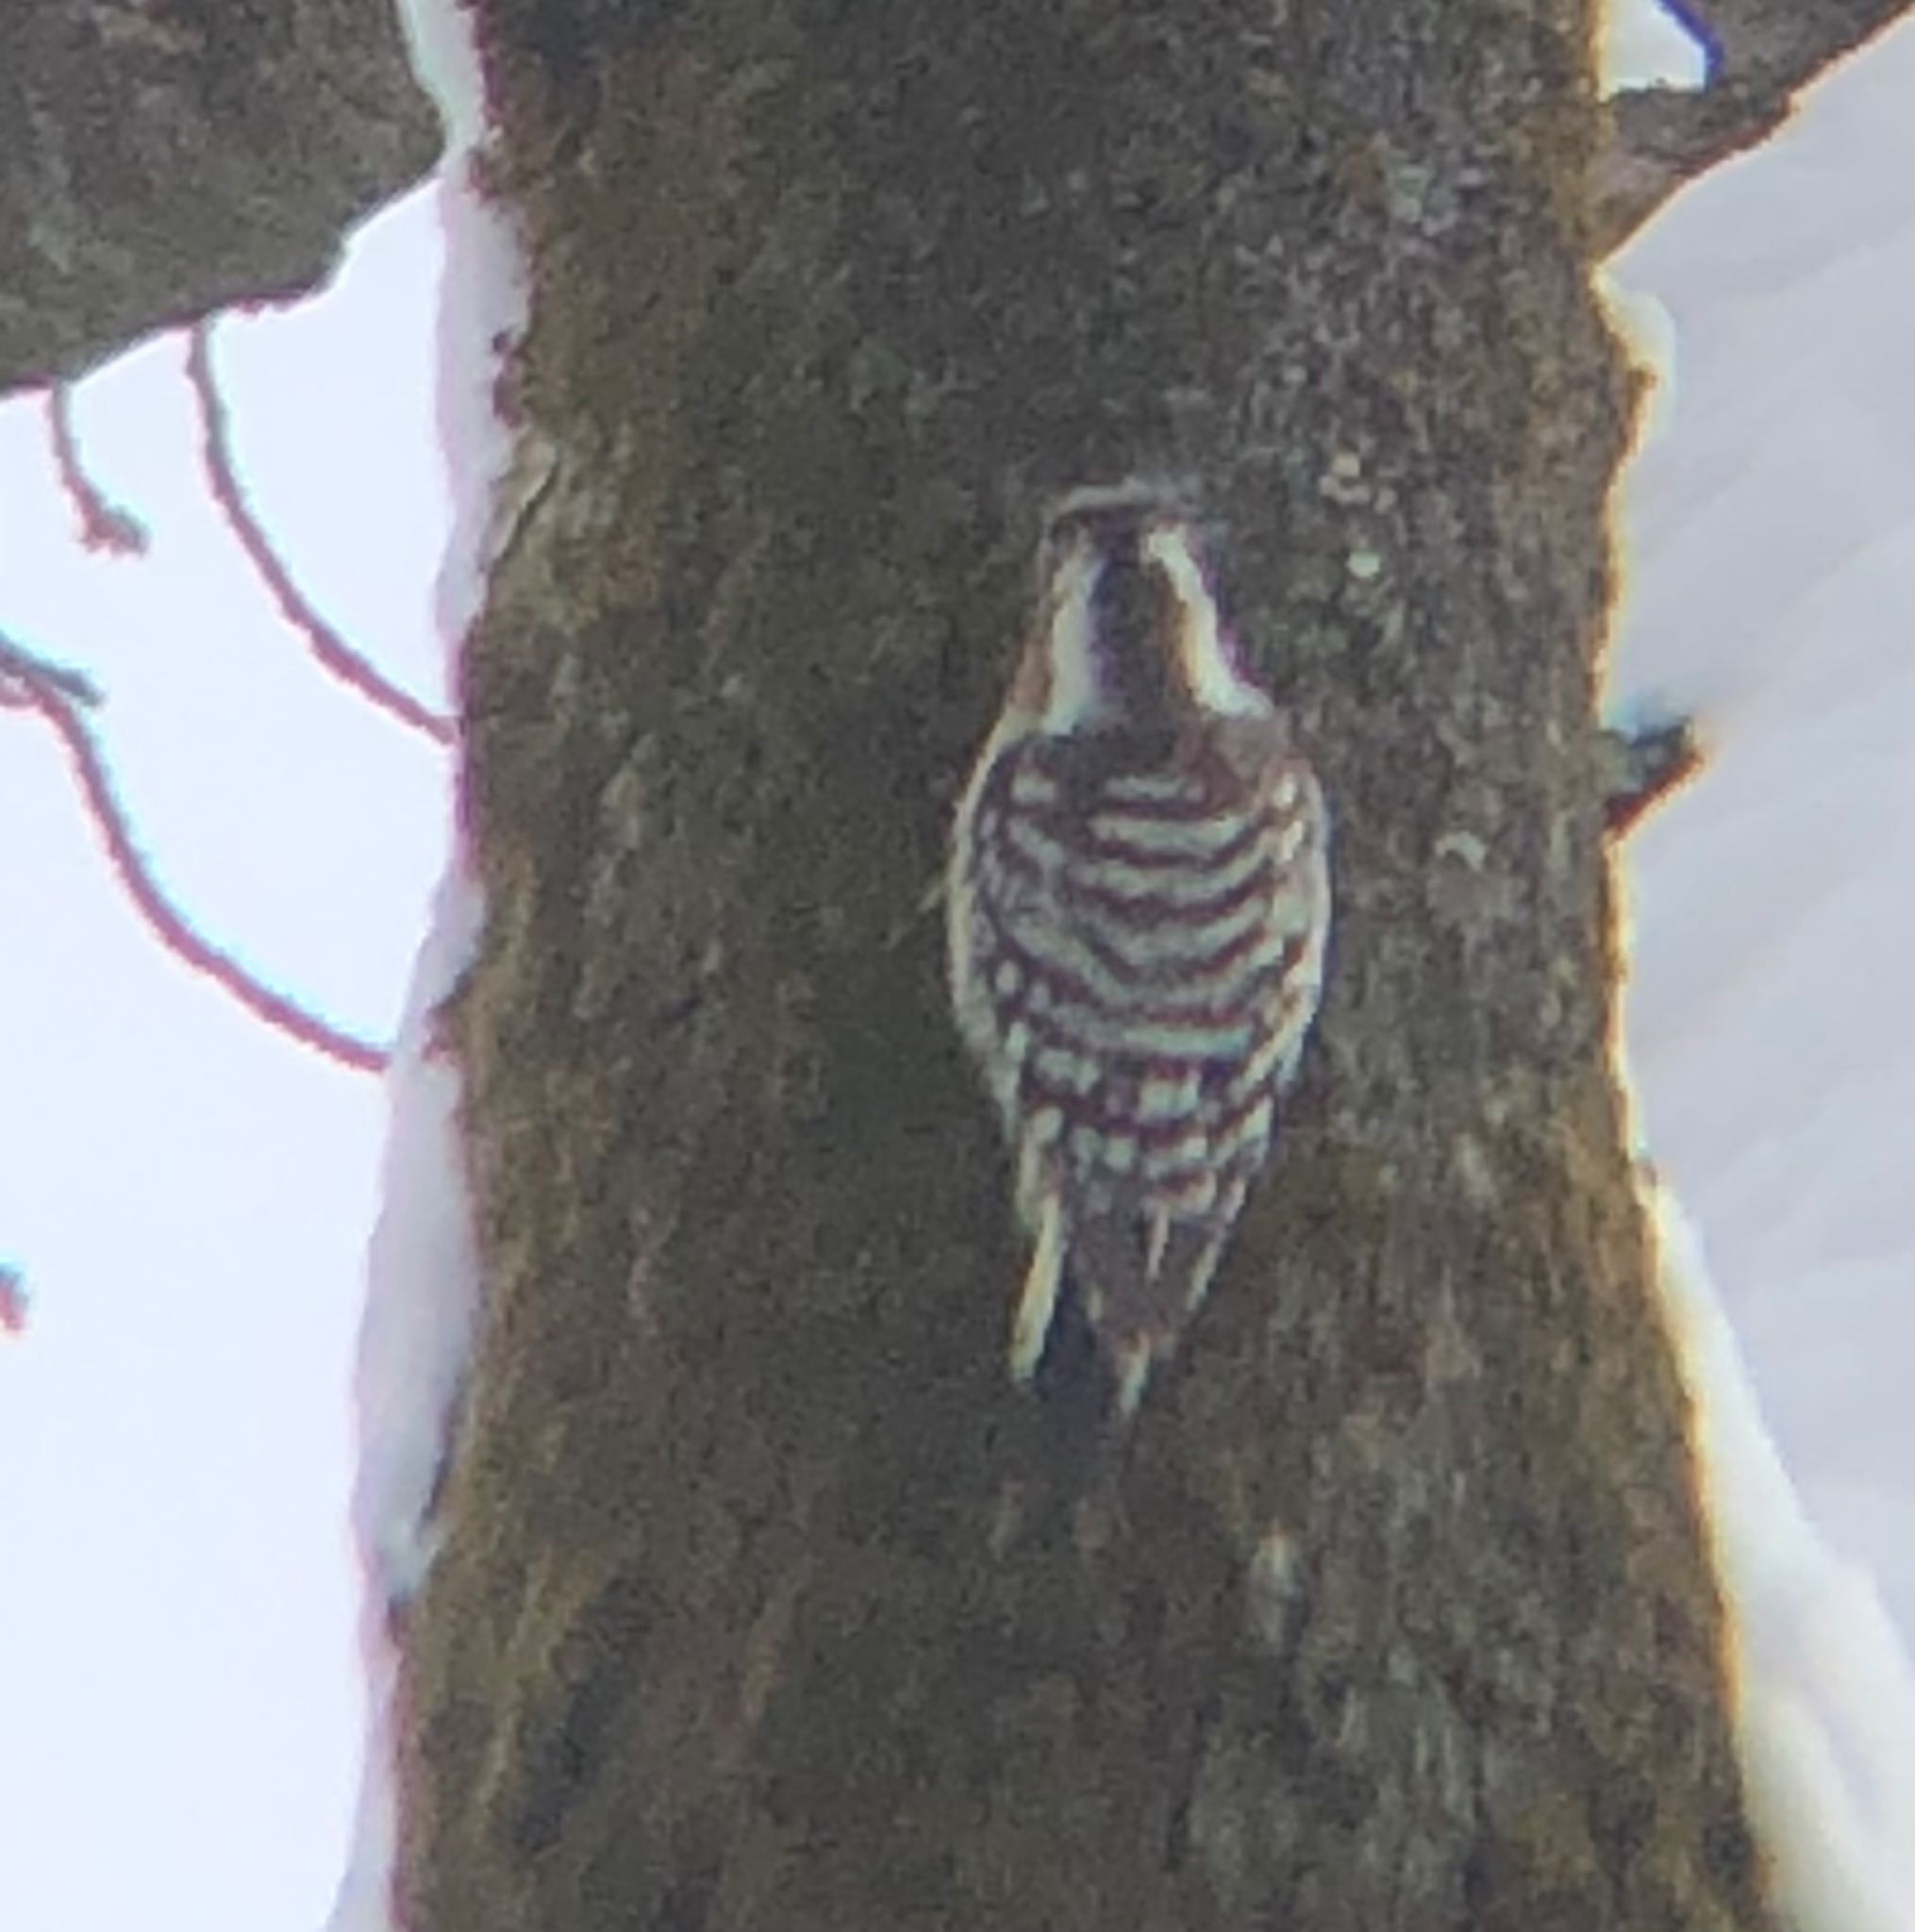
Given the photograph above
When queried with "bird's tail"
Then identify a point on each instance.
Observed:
(1128, 1281)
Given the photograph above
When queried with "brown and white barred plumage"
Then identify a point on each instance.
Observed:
(1138, 900)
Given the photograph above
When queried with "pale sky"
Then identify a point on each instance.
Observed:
(186, 1193)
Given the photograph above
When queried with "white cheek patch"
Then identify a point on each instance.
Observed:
(1205, 658)
(1075, 695)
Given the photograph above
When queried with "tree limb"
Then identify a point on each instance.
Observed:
(1764, 52)
(158, 161)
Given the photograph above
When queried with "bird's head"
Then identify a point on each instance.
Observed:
(1129, 637)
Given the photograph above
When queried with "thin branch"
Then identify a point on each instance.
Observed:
(1761, 54)
(332, 651)
(59, 696)
(1642, 767)
(103, 524)
(22, 671)
(13, 1301)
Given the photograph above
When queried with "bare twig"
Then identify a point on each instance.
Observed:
(22, 670)
(332, 651)
(103, 524)
(1762, 52)
(28, 681)
(13, 1301)
(1642, 766)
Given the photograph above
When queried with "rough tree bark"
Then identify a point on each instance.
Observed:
(765, 1602)
(158, 161)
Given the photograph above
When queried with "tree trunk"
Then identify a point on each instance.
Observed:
(766, 1602)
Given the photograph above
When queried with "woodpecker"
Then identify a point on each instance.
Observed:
(1138, 903)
